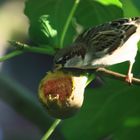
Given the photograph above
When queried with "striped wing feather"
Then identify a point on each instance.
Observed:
(105, 38)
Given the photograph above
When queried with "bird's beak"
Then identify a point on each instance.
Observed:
(57, 67)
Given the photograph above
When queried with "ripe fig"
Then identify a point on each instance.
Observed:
(62, 93)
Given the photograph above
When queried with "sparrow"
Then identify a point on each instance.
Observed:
(103, 45)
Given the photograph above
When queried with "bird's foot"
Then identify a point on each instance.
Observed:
(128, 78)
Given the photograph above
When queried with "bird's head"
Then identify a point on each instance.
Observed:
(70, 56)
(61, 57)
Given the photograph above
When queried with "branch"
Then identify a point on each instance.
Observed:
(22, 48)
(26, 48)
(115, 75)
(11, 55)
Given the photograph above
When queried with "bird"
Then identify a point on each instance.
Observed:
(103, 45)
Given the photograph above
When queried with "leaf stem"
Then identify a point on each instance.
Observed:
(90, 79)
(51, 129)
(11, 55)
(68, 22)
(24, 47)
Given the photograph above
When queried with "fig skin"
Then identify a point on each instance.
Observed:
(62, 93)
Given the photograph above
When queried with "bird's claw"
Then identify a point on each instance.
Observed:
(128, 78)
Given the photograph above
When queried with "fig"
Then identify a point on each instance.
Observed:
(62, 93)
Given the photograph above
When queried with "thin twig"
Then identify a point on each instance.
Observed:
(116, 75)
(51, 129)
(26, 48)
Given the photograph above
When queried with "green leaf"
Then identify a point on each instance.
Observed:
(111, 2)
(105, 113)
(46, 27)
(88, 13)
(131, 8)
(58, 11)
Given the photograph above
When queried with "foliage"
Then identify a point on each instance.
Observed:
(87, 14)
(113, 110)
(106, 110)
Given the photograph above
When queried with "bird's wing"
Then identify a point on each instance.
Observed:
(105, 42)
(106, 38)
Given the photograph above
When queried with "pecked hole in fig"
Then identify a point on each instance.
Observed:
(60, 87)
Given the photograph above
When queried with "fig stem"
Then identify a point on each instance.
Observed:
(51, 129)
(90, 79)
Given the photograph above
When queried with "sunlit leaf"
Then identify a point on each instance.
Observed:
(131, 8)
(88, 13)
(45, 26)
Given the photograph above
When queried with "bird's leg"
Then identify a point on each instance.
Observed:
(129, 74)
